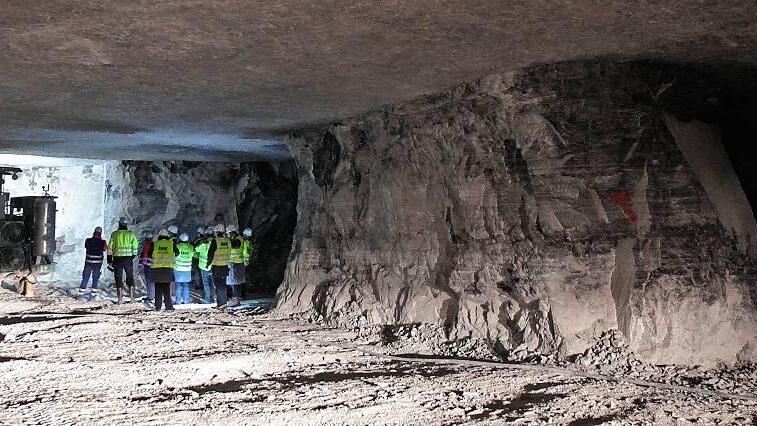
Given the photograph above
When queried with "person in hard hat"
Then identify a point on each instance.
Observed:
(96, 248)
(164, 253)
(206, 275)
(236, 278)
(123, 246)
(218, 257)
(247, 250)
(183, 270)
(173, 232)
(196, 275)
(145, 262)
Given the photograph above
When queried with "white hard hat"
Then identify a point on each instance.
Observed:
(184, 237)
(209, 230)
(201, 230)
(232, 228)
(163, 233)
(123, 221)
(220, 228)
(247, 232)
(173, 229)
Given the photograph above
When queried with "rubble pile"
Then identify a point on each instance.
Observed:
(424, 339)
(612, 356)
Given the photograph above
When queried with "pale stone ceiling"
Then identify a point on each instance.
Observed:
(218, 79)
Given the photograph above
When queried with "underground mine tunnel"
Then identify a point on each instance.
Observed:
(532, 213)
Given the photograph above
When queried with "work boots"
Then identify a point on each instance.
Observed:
(131, 294)
(120, 295)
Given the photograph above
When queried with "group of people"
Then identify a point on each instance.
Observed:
(218, 257)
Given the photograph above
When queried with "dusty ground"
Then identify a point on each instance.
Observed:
(68, 362)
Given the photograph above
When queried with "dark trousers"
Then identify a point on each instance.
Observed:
(208, 286)
(219, 279)
(163, 294)
(93, 270)
(123, 265)
(236, 290)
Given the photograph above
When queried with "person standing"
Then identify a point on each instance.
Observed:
(218, 256)
(163, 255)
(206, 275)
(247, 236)
(236, 278)
(196, 275)
(95, 247)
(122, 248)
(173, 234)
(183, 269)
(145, 261)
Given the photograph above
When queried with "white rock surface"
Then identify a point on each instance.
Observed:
(536, 210)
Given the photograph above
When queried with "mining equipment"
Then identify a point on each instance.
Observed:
(27, 236)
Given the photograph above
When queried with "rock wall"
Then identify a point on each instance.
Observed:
(266, 196)
(154, 195)
(533, 210)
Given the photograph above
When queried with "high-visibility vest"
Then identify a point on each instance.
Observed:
(162, 255)
(123, 243)
(247, 251)
(202, 252)
(223, 251)
(237, 254)
(184, 259)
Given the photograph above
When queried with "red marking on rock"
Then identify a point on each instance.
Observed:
(623, 199)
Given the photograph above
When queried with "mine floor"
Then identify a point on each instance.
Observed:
(69, 362)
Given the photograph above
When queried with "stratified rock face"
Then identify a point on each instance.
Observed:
(262, 196)
(535, 210)
(154, 195)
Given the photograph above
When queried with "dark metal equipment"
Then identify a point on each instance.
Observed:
(27, 230)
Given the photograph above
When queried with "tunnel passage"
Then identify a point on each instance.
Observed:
(153, 195)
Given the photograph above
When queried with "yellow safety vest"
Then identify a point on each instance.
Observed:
(184, 260)
(162, 255)
(237, 254)
(223, 251)
(247, 251)
(123, 243)
(202, 252)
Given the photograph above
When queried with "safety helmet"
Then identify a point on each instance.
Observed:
(220, 228)
(173, 229)
(149, 235)
(209, 230)
(232, 228)
(164, 233)
(184, 237)
(200, 230)
(247, 232)
(123, 221)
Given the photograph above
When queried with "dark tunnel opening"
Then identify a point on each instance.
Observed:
(723, 95)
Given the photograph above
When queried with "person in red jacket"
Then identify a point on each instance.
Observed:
(145, 261)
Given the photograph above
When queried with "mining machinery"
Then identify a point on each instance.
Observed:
(27, 236)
